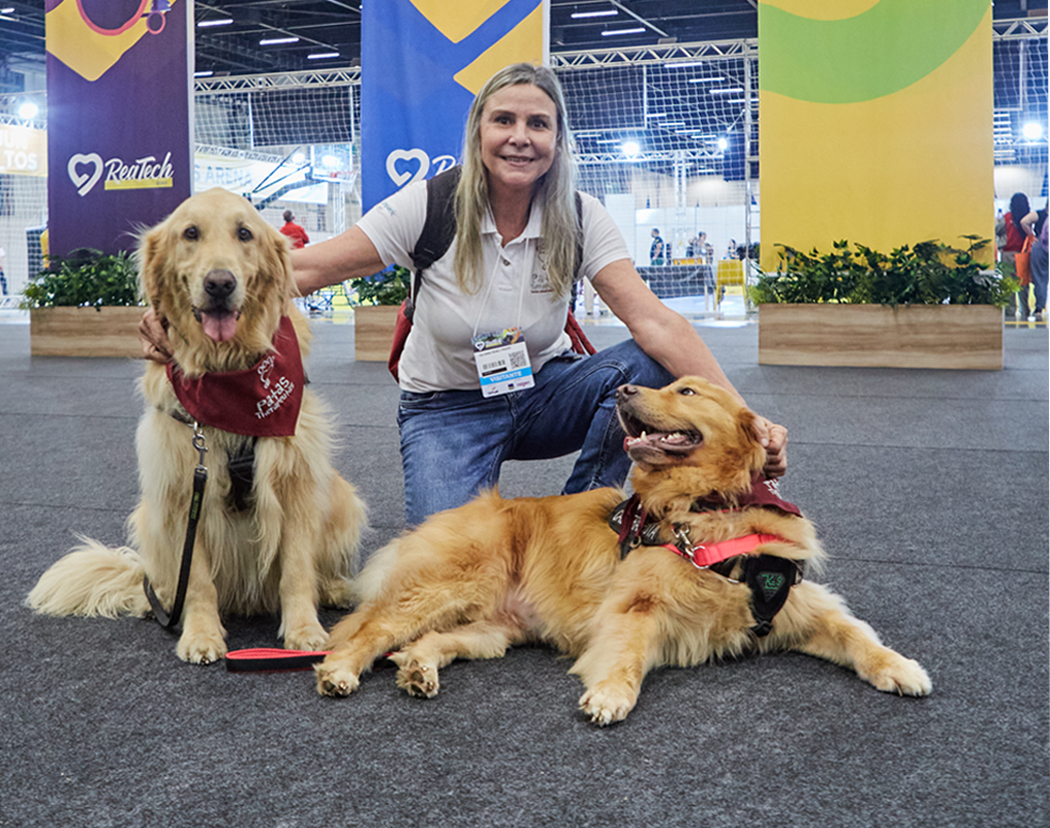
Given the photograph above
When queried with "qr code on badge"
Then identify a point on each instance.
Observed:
(517, 359)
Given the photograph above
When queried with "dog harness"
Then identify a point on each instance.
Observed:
(769, 577)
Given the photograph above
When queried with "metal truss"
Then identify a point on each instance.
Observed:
(648, 55)
(350, 76)
(1020, 28)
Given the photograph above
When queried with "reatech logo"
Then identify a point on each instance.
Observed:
(144, 173)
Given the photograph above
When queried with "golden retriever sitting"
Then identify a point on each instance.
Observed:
(713, 567)
(278, 527)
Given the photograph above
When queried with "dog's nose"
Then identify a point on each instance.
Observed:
(219, 284)
(625, 391)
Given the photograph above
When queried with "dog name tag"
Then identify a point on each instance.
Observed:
(503, 362)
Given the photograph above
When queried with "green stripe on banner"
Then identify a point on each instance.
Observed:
(879, 52)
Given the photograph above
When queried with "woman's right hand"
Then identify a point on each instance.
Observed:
(153, 334)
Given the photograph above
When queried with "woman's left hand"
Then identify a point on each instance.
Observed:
(774, 439)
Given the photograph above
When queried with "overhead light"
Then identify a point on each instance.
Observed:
(728, 90)
(1033, 130)
(605, 13)
(322, 55)
(207, 74)
(28, 110)
(631, 148)
(611, 32)
(722, 143)
(222, 21)
(656, 115)
(684, 65)
(8, 10)
(716, 79)
(273, 41)
(299, 158)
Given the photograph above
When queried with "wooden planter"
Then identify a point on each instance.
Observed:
(876, 336)
(85, 332)
(373, 332)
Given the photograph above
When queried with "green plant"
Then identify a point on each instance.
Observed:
(86, 278)
(928, 273)
(388, 287)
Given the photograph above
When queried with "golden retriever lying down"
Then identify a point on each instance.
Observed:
(286, 538)
(471, 581)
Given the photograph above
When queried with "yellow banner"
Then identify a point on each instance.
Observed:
(871, 134)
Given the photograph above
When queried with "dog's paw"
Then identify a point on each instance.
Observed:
(334, 680)
(200, 648)
(416, 678)
(900, 675)
(606, 703)
(306, 637)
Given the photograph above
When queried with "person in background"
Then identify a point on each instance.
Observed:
(1010, 227)
(656, 249)
(1035, 224)
(294, 231)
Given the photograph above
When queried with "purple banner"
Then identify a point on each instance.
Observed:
(119, 134)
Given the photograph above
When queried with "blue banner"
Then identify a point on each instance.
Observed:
(422, 62)
(119, 141)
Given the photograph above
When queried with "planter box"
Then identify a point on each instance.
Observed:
(875, 336)
(85, 332)
(373, 332)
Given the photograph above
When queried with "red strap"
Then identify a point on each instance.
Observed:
(707, 554)
(259, 659)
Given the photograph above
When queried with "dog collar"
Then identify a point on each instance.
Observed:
(261, 401)
(764, 492)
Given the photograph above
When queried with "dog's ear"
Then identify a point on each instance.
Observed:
(151, 259)
(745, 423)
(278, 263)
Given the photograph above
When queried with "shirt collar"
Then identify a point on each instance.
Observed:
(534, 227)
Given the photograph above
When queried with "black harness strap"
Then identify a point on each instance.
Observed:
(200, 478)
(769, 577)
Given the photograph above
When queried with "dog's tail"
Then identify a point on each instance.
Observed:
(92, 579)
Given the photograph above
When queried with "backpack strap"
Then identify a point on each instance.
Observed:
(439, 229)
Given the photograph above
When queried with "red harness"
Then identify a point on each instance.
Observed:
(703, 555)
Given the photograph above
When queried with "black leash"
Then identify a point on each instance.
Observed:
(200, 477)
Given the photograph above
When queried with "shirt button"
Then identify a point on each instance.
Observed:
(505, 261)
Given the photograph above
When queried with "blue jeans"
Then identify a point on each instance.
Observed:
(453, 443)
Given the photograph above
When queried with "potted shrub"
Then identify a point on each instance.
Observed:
(375, 311)
(85, 304)
(925, 306)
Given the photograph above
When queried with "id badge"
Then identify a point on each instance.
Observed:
(503, 363)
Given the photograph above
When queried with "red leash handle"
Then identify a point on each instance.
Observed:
(269, 659)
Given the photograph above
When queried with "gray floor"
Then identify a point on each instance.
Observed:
(929, 489)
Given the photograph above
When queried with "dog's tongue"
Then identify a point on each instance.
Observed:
(219, 327)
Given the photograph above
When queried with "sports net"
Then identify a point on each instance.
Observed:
(666, 137)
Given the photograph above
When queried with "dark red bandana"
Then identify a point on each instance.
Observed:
(763, 493)
(262, 401)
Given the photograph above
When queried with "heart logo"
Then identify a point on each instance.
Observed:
(84, 181)
(407, 177)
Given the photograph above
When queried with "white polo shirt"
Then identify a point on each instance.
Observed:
(438, 354)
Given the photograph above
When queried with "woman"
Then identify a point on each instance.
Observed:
(511, 266)
(1010, 227)
(1035, 224)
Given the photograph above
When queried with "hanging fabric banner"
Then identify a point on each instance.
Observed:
(422, 63)
(119, 143)
(874, 123)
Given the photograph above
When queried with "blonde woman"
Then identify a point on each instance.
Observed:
(507, 276)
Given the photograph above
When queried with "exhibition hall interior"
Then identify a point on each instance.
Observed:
(846, 202)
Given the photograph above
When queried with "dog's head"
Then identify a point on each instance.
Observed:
(220, 275)
(687, 440)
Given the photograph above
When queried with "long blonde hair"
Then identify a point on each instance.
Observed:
(559, 220)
